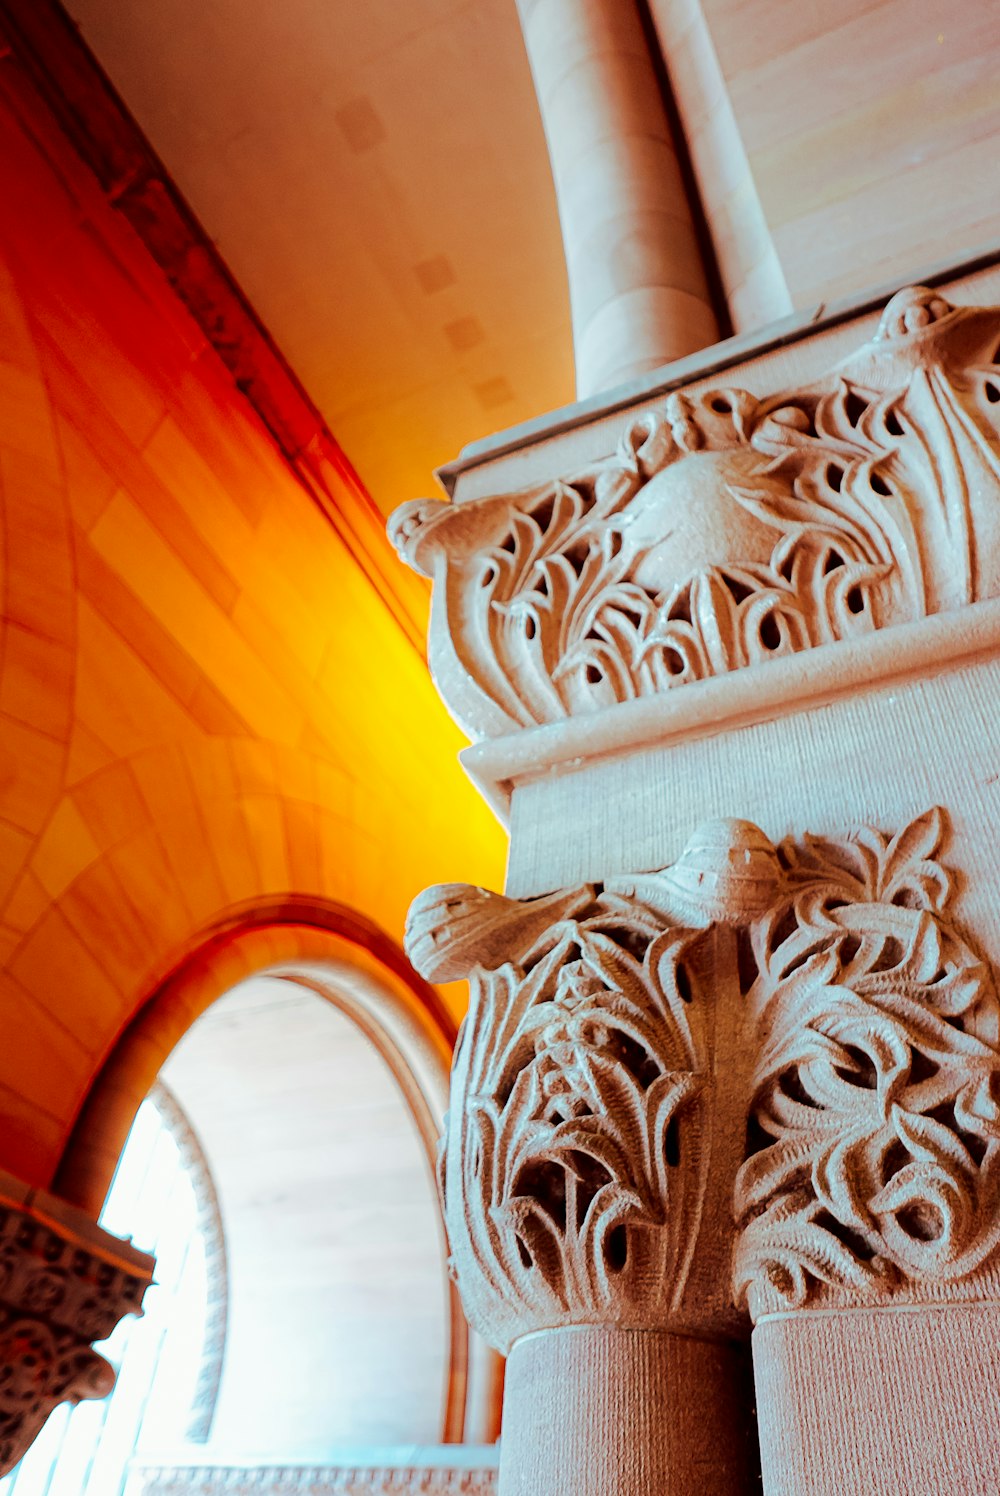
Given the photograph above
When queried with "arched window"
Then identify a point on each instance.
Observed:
(313, 1067)
(167, 1361)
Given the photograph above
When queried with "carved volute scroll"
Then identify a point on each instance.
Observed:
(584, 1151)
(61, 1288)
(728, 530)
(874, 1171)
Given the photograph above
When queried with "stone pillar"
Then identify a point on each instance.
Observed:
(597, 1122)
(638, 292)
(63, 1284)
(760, 1082)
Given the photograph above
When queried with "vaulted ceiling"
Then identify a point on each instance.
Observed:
(376, 177)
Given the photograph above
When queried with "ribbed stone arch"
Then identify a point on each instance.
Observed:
(347, 961)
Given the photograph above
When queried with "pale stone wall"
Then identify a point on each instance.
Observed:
(836, 147)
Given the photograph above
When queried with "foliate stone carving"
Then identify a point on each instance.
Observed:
(875, 1123)
(728, 530)
(60, 1289)
(593, 1080)
(574, 1169)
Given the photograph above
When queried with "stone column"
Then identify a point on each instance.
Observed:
(63, 1284)
(597, 1122)
(763, 1082)
(637, 284)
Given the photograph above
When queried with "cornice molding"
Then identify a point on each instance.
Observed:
(756, 343)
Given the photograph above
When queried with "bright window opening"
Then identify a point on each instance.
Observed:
(154, 1199)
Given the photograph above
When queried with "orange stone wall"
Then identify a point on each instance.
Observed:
(204, 704)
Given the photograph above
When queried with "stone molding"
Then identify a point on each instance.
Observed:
(312, 1480)
(784, 1060)
(727, 531)
(63, 1284)
(210, 1226)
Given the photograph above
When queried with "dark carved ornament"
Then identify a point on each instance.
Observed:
(727, 531)
(64, 1283)
(593, 1090)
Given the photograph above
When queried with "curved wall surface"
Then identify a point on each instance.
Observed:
(204, 704)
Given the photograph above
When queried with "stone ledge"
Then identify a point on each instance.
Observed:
(459, 1471)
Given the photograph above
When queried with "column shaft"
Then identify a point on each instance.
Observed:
(593, 1411)
(638, 291)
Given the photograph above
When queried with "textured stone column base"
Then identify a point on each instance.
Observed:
(904, 1402)
(606, 1412)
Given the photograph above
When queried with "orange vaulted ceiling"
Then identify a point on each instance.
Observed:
(205, 704)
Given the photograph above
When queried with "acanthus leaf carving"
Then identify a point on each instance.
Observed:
(576, 1158)
(728, 531)
(588, 1108)
(875, 1114)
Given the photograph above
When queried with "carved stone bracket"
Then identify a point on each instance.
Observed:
(63, 1284)
(781, 1060)
(728, 530)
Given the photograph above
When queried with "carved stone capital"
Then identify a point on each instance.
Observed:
(63, 1284)
(873, 1174)
(776, 1065)
(727, 531)
(587, 1165)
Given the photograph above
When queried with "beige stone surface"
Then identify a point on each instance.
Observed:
(638, 292)
(836, 144)
(878, 1401)
(604, 1412)
(742, 239)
